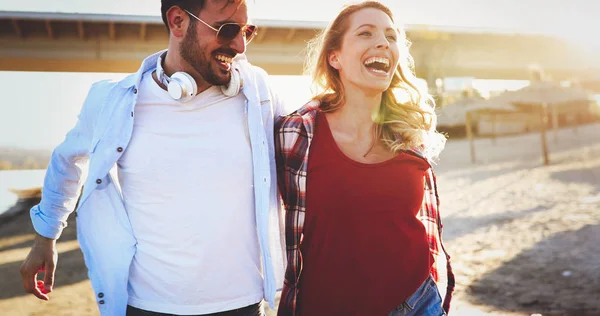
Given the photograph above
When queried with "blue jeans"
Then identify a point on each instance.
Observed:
(426, 301)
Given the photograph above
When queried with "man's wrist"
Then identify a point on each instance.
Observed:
(41, 239)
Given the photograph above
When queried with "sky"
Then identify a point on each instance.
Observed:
(39, 108)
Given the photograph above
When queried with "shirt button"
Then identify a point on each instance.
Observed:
(134, 91)
(100, 295)
(101, 302)
(120, 149)
(131, 113)
(98, 181)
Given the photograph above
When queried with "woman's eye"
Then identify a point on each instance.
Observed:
(365, 33)
(391, 38)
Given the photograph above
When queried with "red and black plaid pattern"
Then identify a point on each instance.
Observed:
(293, 136)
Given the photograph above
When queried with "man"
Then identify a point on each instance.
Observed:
(178, 214)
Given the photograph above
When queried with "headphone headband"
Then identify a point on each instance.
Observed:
(160, 73)
(182, 87)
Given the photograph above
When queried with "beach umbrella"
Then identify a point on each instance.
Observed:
(488, 107)
(453, 114)
(590, 83)
(491, 106)
(545, 92)
(537, 97)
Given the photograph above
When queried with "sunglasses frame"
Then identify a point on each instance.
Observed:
(242, 30)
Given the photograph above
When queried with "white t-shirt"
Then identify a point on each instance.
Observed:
(187, 179)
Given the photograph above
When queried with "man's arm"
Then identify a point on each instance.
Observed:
(62, 183)
(279, 105)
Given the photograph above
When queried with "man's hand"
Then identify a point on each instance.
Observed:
(42, 257)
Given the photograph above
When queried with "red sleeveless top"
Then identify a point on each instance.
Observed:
(364, 250)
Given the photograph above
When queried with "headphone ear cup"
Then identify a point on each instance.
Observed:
(234, 86)
(182, 87)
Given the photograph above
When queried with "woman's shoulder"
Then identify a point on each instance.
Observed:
(306, 112)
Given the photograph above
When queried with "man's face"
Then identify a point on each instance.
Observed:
(200, 47)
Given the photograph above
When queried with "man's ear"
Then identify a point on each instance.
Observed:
(334, 61)
(178, 21)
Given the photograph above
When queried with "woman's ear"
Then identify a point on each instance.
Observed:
(334, 61)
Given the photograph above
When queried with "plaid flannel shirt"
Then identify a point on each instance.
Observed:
(293, 136)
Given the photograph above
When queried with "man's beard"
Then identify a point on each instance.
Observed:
(195, 56)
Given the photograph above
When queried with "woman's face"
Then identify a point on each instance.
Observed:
(368, 56)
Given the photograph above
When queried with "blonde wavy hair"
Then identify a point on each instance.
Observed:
(405, 118)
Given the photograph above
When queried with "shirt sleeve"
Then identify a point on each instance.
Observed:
(65, 175)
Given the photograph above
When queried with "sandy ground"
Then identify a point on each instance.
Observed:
(524, 238)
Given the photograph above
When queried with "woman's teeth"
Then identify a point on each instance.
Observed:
(378, 64)
(381, 60)
(378, 70)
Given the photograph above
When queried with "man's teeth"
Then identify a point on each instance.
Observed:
(224, 59)
(381, 60)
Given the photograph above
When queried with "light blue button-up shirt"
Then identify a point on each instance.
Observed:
(88, 157)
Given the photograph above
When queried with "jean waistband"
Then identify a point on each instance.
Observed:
(420, 292)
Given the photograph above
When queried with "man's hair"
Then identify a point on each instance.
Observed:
(194, 6)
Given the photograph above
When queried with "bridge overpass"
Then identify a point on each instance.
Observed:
(71, 42)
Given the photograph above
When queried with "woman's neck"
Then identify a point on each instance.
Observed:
(356, 112)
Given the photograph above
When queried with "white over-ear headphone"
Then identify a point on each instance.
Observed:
(182, 87)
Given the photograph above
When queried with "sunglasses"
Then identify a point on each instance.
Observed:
(228, 31)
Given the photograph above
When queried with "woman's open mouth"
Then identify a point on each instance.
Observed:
(378, 65)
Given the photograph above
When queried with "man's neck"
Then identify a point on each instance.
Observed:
(174, 63)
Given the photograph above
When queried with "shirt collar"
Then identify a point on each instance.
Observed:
(148, 64)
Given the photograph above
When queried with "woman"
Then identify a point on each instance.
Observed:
(363, 232)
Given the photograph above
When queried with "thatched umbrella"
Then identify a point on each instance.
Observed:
(454, 114)
(537, 97)
(545, 92)
(490, 107)
(485, 107)
(590, 83)
(548, 93)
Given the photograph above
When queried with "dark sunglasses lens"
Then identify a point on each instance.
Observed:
(250, 32)
(228, 32)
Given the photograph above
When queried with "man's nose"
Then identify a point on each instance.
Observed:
(238, 44)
